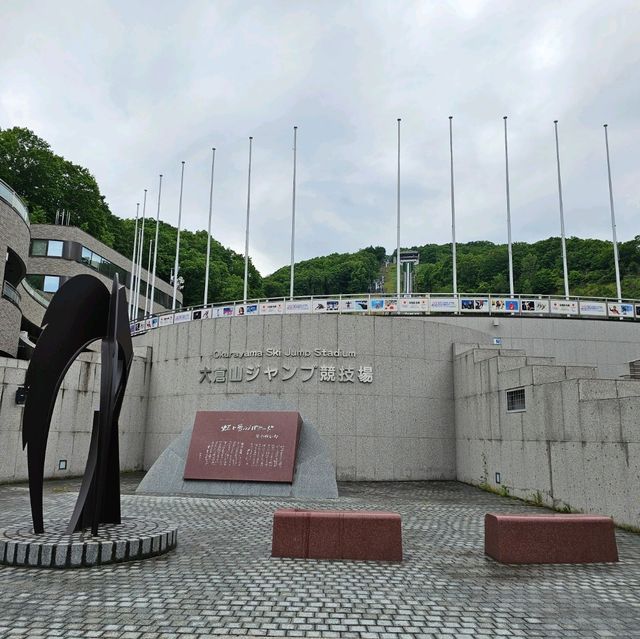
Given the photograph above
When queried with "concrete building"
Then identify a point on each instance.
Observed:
(39, 258)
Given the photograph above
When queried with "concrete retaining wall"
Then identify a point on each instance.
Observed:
(577, 444)
(399, 426)
(72, 417)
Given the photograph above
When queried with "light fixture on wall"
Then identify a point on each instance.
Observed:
(62, 464)
(498, 478)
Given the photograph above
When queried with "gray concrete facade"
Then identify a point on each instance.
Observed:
(398, 426)
(575, 444)
(72, 419)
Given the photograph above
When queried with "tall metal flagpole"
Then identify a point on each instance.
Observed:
(132, 284)
(506, 163)
(398, 221)
(565, 270)
(146, 288)
(141, 252)
(613, 217)
(155, 249)
(453, 213)
(206, 273)
(293, 209)
(246, 239)
(175, 267)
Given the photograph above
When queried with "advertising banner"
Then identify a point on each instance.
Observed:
(201, 314)
(564, 307)
(597, 309)
(151, 322)
(272, 308)
(377, 304)
(474, 304)
(391, 305)
(443, 304)
(222, 311)
(354, 305)
(298, 306)
(326, 306)
(505, 305)
(165, 320)
(182, 316)
(414, 305)
(534, 306)
(620, 310)
(246, 309)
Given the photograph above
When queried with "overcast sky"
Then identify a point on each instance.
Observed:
(129, 89)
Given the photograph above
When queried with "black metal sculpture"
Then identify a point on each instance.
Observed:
(81, 312)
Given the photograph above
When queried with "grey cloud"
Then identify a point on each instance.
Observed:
(131, 89)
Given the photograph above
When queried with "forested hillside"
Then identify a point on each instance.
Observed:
(48, 182)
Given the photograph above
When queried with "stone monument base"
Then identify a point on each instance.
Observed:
(131, 540)
(314, 476)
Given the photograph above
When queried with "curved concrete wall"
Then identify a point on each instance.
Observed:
(400, 425)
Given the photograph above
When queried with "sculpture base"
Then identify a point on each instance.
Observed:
(131, 540)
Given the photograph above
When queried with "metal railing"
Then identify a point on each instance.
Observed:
(35, 293)
(415, 304)
(14, 200)
(10, 293)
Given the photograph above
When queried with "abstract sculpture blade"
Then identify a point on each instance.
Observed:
(81, 312)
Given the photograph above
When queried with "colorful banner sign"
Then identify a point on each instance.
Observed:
(377, 304)
(620, 310)
(182, 316)
(534, 306)
(326, 306)
(165, 320)
(505, 305)
(354, 305)
(474, 304)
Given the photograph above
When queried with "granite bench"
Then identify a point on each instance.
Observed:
(549, 539)
(334, 534)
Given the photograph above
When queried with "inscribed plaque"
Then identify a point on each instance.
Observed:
(244, 446)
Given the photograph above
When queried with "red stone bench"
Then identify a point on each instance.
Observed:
(334, 534)
(549, 539)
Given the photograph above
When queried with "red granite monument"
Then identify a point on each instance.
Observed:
(244, 446)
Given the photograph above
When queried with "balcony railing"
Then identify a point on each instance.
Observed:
(10, 293)
(434, 304)
(14, 200)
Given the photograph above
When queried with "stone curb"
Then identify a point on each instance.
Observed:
(37, 553)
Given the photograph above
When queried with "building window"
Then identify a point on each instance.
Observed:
(39, 247)
(51, 283)
(55, 248)
(102, 265)
(516, 400)
(47, 248)
(44, 283)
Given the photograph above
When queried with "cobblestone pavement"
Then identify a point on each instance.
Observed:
(221, 580)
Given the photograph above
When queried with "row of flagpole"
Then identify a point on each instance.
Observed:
(508, 206)
(136, 264)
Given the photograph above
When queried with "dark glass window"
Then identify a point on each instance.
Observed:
(39, 247)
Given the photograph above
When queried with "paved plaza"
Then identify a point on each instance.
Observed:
(221, 581)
